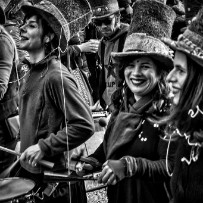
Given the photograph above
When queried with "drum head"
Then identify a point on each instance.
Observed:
(10, 188)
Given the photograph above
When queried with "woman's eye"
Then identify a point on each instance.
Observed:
(181, 71)
(145, 67)
(32, 26)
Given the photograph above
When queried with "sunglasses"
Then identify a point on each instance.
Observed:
(106, 21)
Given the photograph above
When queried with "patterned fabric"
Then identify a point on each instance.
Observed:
(83, 89)
(76, 12)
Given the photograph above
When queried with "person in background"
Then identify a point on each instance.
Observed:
(9, 93)
(128, 12)
(133, 152)
(186, 117)
(106, 17)
(53, 116)
(91, 33)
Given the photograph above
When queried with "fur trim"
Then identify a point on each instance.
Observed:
(139, 44)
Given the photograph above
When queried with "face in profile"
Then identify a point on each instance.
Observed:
(106, 26)
(31, 35)
(141, 76)
(177, 76)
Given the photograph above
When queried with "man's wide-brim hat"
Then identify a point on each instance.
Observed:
(191, 41)
(104, 8)
(151, 21)
(65, 17)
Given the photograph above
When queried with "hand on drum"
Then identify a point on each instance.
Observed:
(107, 175)
(32, 155)
(82, 168)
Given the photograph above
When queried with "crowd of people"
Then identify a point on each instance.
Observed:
(140, 61)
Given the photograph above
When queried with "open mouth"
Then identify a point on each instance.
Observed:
(138, 82)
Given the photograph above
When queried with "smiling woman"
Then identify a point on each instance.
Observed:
(133, 151)
(141, 76)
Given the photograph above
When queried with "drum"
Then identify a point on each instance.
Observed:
(16, 190)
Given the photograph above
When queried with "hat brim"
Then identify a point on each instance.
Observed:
(173, 46)
(2, 16)
(55, 24)
(120, 57)
(107, 15)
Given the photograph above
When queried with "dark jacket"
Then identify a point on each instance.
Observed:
(129, 133)
(42, 110)
(187, 179)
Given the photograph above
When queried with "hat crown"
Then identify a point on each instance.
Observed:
(77, 13)
(152, 17)
(103, 7)
(102, 3)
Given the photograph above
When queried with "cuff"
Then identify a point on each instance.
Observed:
(131, 165)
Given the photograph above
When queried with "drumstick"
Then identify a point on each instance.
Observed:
(45, 163)
(6, 172)
(64, 177)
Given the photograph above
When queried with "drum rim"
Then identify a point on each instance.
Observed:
(17, 196)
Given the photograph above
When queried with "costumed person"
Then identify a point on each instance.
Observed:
(133, 152)
(185, 119)
(53, 116)
(9, 93)
(106, 17)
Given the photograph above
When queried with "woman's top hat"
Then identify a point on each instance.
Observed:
(151, 21)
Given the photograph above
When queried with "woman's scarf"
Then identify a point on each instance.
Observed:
(126, 125)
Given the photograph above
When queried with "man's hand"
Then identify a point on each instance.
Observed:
(90, 46)
(32, 155)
